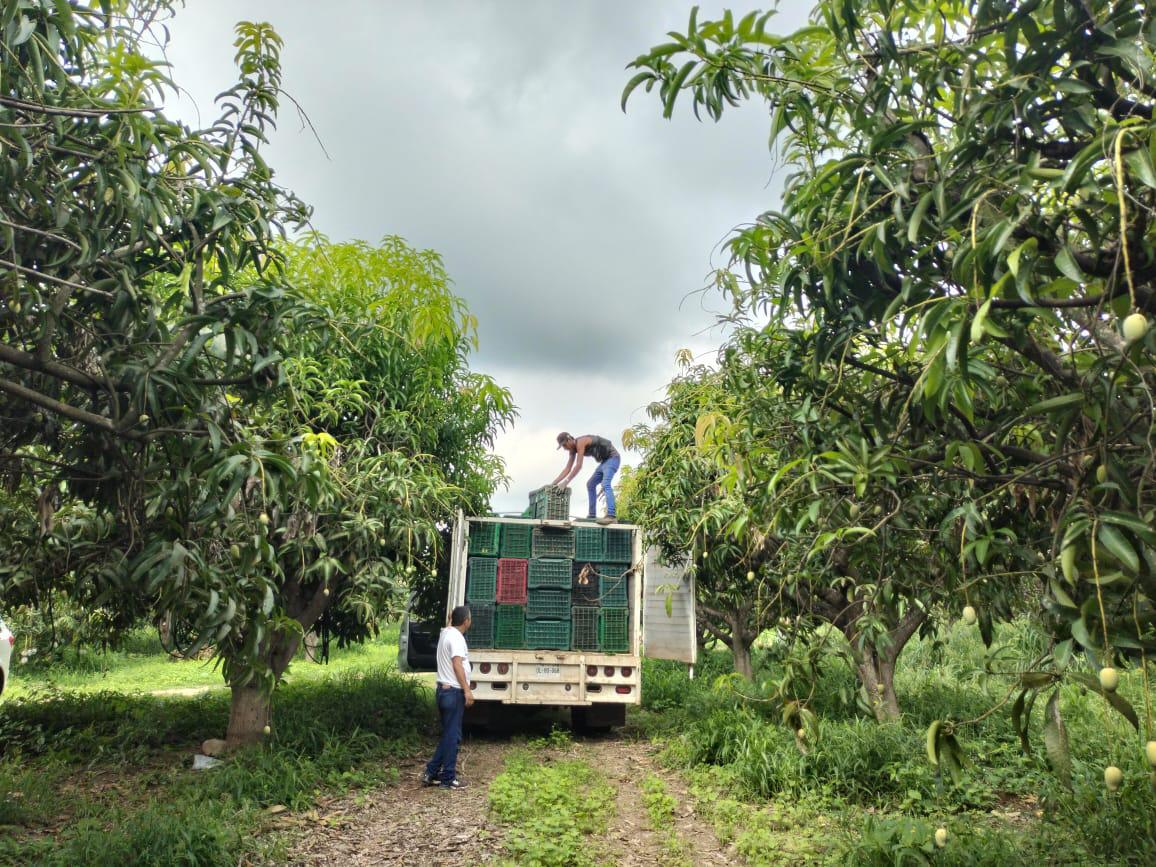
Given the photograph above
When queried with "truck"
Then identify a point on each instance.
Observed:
(597, 686)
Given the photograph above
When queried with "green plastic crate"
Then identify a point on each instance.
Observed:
(619, 546)
(516, 541)
(612, 591)
(481, 579)
(588, 594)
(509, 627)
(589, 543)
(481, 634)
(548, 605)
(613, 630)
(584, 627)
(548, 634)
(547, 572)
(485, 538)
(551, 503)
(552, 542)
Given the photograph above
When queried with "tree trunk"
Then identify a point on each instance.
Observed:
(251, 708)
(741, 650)
(249, 713)
(877, 675)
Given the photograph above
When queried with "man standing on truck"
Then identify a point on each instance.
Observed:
(603, 451)
(453, 697)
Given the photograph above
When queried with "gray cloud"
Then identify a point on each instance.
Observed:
(491, 131)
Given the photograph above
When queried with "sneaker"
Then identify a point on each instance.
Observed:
(426, 779)
(454, 784)
(608, 519)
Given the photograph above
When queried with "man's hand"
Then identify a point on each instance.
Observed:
(469, 698)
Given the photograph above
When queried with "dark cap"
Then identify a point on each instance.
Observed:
(562, 437)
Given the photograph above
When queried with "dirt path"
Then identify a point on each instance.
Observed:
(411, 825)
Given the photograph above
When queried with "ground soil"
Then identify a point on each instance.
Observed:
(412, 825)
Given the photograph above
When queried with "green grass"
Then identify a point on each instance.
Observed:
(863, 792)
(553, 808)
(143, 666)
(95, 770)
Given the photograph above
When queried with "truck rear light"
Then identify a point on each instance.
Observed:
(485, 666)
(594, 687)
(503, 667)
(591, 670)
(11, 639)
(608, 671)
(473, 685)
(623, 690)
(627, 671)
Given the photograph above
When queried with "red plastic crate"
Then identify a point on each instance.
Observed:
(512, 573)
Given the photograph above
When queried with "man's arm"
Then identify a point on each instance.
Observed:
(463, 681)
(566, 472)
(579, 452)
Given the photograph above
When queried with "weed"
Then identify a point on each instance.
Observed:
(552, 810)
(660, 806)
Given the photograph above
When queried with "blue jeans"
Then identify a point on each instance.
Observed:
(451, 707)
(605, 475)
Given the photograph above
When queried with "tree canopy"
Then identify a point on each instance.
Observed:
(963, 234)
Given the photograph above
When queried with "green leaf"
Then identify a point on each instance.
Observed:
(1064, 401)
(1066, 262)
(1019, 723)
(1117, 701)
(917, 217)
(1118, 546)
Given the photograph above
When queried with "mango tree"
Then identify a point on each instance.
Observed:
(967, 224)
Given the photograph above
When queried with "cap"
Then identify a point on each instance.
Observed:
(562, 437)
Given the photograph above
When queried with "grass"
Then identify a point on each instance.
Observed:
(141, 665)
(660, 806)
(861, 792)
(90, 774)
(553, 810)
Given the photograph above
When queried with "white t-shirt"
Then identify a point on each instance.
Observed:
(452, 643)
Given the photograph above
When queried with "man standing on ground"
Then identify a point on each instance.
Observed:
(453, 697)
(603, 451)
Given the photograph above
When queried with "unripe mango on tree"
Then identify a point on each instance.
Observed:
(969, 616)
(267, 730)
(940, 837)
(1109, 678)
(1113, 777)
(264, 519)
(750, 575)
(1068, 564)
(1135, 327)
(1101, 474)
(1150, 752)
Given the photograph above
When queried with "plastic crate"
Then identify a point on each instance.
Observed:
(515, 540)
(612, 591)
(511, 588)
(589, 543)
(548, 605)
(588, 594)
(550, 503)
(548, 634)
(547, 572)
(619, 546)
(613, 630)
(584, 627)
(481, 579)
(552, 542)
(481, 634)
(509, 627)
(485, 538)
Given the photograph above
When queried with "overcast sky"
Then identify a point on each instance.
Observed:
(491, 131)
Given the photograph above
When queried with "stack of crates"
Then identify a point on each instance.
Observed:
(549, 588)
(599, 589)
(548, 597)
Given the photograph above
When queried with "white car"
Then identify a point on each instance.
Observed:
(7, 640)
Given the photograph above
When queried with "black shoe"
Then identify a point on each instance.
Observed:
(454, 784)
(608, 519)
(427, 780)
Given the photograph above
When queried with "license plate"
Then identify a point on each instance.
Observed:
(547, 670)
